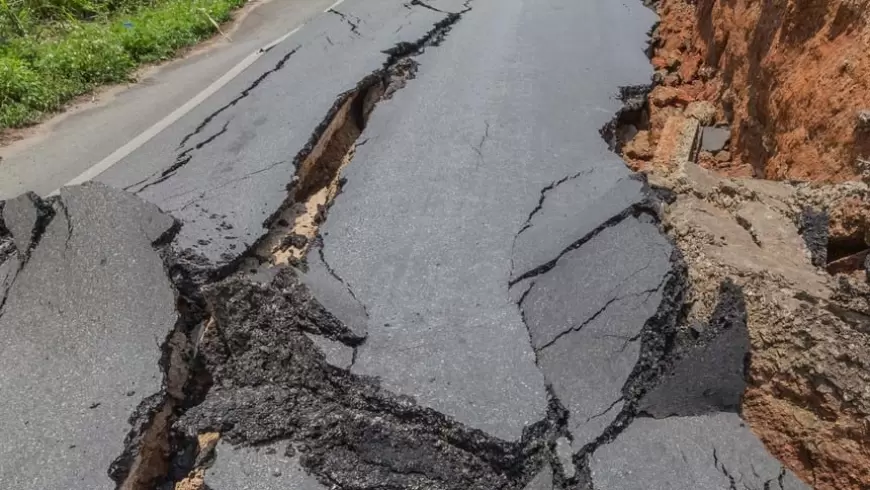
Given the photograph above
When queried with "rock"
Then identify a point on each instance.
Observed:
(703, 111)
(662, 96)
(294, 240)
(678, 143)
(659, 63)
(863, 119)
(706, 72)
(672, 79)
(639, 147)
(689, 67)
(723, 156)
(850, 219)
(714, 139)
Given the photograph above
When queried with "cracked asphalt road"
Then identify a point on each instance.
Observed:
(491, 302)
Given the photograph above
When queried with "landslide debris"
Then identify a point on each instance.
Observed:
(808, 379)
(779, 91)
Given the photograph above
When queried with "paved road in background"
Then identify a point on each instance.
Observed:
(68, 144)
(507, 267)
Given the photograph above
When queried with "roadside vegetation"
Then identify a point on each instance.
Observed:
(54, 50)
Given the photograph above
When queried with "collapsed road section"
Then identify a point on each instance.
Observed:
(463, 288)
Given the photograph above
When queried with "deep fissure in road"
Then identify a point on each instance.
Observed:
(251, 375)
(225, 348)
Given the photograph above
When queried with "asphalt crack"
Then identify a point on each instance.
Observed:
(69, 224)
(184, 157)
(425, 5)
(351, 20)
(599, 312)
(218, 187)
(543, 197)
(243, 94)
(633, 210)
(334, 274)
(181, 160)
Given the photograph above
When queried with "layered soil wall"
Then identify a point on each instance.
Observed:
(790, 78)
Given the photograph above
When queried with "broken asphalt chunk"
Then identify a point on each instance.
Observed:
(83, 323)
(713, 452)
(585, 318)
(709, 374)
(22, 216)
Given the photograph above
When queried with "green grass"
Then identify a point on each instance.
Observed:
(54, 50)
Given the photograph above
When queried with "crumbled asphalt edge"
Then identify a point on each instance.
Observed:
(813, 226)
(7, 245)
(45, 211)
(634, 109)
(272, 384)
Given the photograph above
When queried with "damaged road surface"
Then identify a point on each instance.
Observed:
(395, 253)
(83, 321)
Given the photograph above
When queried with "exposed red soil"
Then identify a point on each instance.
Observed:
(789, 76)
(791, 79)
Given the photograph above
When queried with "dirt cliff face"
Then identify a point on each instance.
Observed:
(783, 87)
(790, 78)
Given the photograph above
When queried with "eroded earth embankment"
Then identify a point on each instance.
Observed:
(755, 130)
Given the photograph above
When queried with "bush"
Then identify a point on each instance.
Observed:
(40, 73)
(85, 57)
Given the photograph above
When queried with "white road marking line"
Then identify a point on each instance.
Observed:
(175, 115)
(336, 4)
